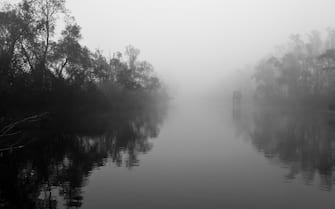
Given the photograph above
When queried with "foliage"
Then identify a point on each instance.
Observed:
(303, 74)
(38, 70)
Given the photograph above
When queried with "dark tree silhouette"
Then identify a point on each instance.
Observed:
(39, 73)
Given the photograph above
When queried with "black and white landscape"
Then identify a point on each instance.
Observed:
(167, 104)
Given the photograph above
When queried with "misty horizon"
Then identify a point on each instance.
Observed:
(199, 41)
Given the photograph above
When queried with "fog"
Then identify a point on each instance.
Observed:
(167, 104)
(197, 44)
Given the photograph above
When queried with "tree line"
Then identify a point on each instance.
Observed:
(39, 67)
(301, 73)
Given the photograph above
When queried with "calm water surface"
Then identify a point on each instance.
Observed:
(199, 155)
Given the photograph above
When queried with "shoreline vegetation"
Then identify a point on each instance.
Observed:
(301, 75)
(49, 75)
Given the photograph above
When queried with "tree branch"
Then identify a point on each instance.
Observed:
(63, 66)
(27, 57)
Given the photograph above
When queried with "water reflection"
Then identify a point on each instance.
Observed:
(304, 143)
(51, 171)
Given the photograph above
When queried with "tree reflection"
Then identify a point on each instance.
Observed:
(57, 164)
(302, 142)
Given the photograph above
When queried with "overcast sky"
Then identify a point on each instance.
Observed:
(198, 41)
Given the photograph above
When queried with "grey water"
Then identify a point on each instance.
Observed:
(199, 154)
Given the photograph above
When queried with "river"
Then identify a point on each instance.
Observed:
(199, 154)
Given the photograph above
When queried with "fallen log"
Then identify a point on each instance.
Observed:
(13, 129)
